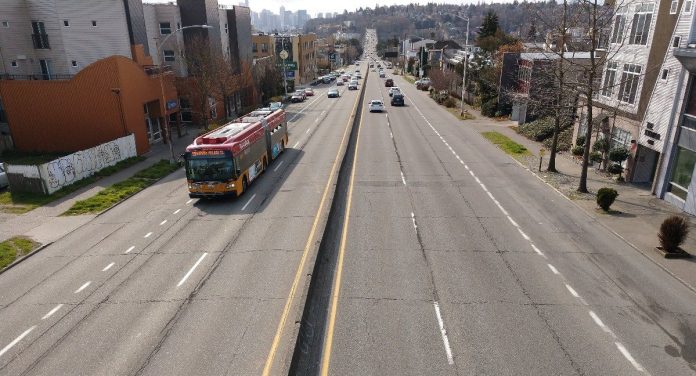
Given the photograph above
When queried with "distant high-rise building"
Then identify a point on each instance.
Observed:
(281, 15)
(320, 15)
(302, 18)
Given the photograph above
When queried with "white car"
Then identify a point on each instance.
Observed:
(376, 105)
(393, 90)
(3, 177)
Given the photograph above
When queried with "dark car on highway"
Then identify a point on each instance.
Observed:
(388, 82)
(397, 99)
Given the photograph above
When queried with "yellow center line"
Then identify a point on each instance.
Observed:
(336, 291)
(310, 241)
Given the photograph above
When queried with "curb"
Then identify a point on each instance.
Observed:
(19, 260)
(686, 284)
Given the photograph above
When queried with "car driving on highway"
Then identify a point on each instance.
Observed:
(393, 90)
(397, 99)
(376, 105)
(333, 93)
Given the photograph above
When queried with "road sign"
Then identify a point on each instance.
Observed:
(290, 74)
(332, 57)
(283, 54)
(289, 65)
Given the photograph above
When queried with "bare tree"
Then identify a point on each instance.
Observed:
(202, 84)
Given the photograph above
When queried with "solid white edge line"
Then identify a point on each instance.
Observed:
(307, 131)
(600, 323)
(443, 333)
(148, 235)
(129, 249)
(553, 269)
(403, 179)
(512, 221)
(278, 166)
(189, 201)
(163, 222)
(248, 202)
(176, 211)
(525, 236)
(84, 286)
(108, 266)
(295, 146)
(51, 312)
(16, 340)
(191, 270)
(630, 358)
(572, 291)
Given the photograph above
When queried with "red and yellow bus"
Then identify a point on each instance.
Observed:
(226, 160)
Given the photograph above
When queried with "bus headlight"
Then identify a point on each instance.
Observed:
(230, 186)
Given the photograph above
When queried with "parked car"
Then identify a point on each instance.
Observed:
(389, 83)
(275, 106)
(376, 105)
(309, 92)
(3, 177)
(298, 96)
(353, 85)
(423, 84)
(397, 99)
(333, 93)
(393, 90)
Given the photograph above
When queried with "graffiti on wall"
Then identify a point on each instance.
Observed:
(71, 168)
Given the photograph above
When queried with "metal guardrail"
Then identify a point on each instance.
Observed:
(37, 77)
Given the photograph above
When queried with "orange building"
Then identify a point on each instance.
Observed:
(108, 99)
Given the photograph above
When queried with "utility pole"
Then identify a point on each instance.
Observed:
(283, 56)
(466, 62)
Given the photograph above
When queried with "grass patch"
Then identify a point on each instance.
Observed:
(22, 202)
(14, 248)
(506, 144)
(118, 192)
(410, 79)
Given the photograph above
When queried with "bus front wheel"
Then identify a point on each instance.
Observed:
(244, 186)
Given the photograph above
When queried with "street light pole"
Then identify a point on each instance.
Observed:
(466, 62)
(163, 104)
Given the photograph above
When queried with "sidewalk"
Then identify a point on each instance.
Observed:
(640, 212)
(45, 225)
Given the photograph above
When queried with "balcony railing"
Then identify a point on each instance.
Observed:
(39, 76)
(40, 41)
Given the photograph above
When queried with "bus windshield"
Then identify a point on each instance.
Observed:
(210, 169)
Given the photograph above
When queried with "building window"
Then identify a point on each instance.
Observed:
(169, 55)
(5, 24)
(609, 79)
(629, 83)
(264, 47)
(74, 63)
(620, 138)
(664, 75)
(39, 36)
(617, 35)
(687, 6)
(94, 23)
(165, 28)
(675, 42)
(13, 64)
(682, 171)
(254, 48)
(640, 27)
(66, 23)
(673, 7)
(225, 28)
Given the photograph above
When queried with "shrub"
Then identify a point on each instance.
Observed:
(673, 232)
(578, 150)
(615, 168)
(596, 156)
(537, 130)
(450, 102)
(488, 108)
(564, 140)
(618, 155)
(601, 145)
(606, 197)
(580, 141)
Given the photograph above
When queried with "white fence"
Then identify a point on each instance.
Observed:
(69, 169)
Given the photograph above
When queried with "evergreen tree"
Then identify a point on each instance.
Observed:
(490, 25)
(532, 33)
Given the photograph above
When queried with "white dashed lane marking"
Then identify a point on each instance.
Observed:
(51, 312)
(108, 266)
(16, 340)
(84, 286)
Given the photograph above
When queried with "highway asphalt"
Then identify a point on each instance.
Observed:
(459, 261)
(166, 285)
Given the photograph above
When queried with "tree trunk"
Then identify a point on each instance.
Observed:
(554, 145)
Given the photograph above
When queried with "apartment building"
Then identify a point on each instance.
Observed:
(667, 140)
(639, 39)
(301, 51)
(229, 36)
(73, 76)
